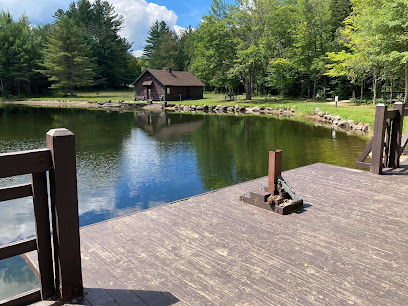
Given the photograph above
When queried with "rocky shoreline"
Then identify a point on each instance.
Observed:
(319, 117)
(340, 122)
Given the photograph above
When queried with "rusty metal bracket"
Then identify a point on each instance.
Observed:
(278, 196)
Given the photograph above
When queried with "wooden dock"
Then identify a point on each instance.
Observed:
(348, 246)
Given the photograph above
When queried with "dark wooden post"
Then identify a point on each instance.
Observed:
(378, 139)
(42, 226)
(275, 169)
(396, 136)
(64, 202)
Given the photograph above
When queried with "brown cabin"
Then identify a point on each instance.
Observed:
(167, 85)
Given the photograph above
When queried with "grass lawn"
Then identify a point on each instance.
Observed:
(347, 110)
(92, 96)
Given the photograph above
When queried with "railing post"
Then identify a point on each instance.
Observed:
(275, 169)
(396, 136)
(64, 204)
(378, 139)
(42, 226)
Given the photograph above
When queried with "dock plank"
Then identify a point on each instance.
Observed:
(348, 246)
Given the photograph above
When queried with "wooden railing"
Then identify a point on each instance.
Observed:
(387, 144)
(59, 259)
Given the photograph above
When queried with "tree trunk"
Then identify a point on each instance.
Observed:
(391, 85)
(314, 88)
(406, 82)
(374, 86)
(1, 87)
(325, 85)
(361, 91)
(71, 91)
(247, 89)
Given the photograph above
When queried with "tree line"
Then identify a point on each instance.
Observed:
(297, 48)
(292, 48)
(81, 48)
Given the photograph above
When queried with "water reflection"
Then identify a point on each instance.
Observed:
(133, 161)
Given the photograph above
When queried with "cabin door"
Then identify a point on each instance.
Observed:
(148, 92)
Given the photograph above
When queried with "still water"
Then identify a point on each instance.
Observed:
(132, 161)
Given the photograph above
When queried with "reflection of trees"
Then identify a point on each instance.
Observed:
(235, 149)
(99, 136)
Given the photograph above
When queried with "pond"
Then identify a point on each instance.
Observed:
(132, 161)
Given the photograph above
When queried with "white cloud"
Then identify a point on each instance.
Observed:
(137, 53)
(179, 30)
(139, 16)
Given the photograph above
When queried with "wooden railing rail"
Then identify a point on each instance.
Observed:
(25, 162)
(60, 276)
(388, 143)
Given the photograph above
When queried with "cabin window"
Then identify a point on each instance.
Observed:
(168, 90)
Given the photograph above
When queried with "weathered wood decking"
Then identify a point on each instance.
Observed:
(349, 246)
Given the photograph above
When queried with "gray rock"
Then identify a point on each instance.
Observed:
(193, 107)
(231, 109)
(351, 122)
(200, 108)
(186, 108)
(317, 110)
(343, 124)
(359, 126)
(108, 101)
(256, 109)
(320, 114)
(205, 107)
(366, 127)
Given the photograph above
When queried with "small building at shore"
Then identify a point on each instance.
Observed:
(167, 85)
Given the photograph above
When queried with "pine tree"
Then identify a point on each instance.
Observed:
(155, 36)
(65, 57)
(101, 26)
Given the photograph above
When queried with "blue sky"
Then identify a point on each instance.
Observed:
(138, 14)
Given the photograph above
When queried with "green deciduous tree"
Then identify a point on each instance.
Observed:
(214, 48)
(134, 69)
(66, 60)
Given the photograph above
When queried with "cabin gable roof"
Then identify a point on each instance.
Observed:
(174, 78)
